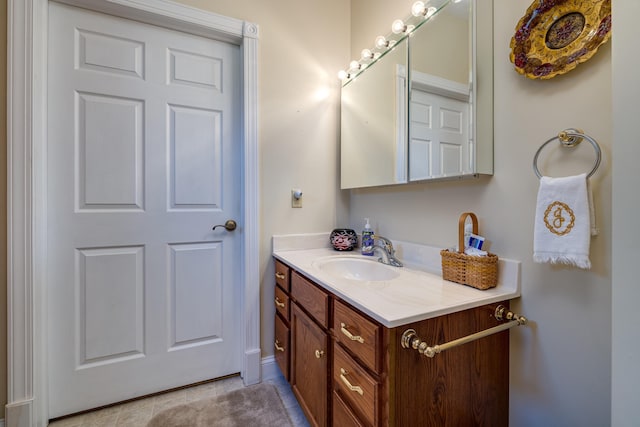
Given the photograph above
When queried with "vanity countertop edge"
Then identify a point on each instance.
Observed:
(420, 294)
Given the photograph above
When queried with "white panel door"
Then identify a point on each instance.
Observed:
(143, 159)
(439, 140)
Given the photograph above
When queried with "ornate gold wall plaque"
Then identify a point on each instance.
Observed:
(554, 36)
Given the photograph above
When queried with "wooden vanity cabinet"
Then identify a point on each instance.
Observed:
(348, 370)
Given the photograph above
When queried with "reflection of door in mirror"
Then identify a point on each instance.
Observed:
(373, 122)
(439, 148)
(440, 95)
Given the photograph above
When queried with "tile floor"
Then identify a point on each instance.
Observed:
(139, 412)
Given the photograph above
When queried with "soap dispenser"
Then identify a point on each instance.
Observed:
(367, 239)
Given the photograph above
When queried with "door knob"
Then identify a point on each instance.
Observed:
(230, 225)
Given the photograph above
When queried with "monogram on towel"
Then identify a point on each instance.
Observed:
(562, 229)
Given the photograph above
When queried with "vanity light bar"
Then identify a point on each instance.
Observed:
(399, 28)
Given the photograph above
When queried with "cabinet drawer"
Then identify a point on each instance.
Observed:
(357, 333)
(355, 386)
(311, 297)
(283, 273)
(342, 414)
(281, 346)
(281, 302)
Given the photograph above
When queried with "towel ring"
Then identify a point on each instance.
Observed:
(570, 138)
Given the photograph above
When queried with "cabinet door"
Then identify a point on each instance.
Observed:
(309, 369)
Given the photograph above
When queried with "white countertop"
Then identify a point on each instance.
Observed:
(418, 293)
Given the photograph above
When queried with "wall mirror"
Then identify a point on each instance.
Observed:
(423, 110)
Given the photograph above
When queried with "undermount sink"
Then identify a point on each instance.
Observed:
(354, 268)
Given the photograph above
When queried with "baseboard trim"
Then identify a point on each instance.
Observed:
(251, 371)
(19, 414)
(270, 369)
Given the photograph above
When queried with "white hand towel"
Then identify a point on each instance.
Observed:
(562, 229)
(592, 211)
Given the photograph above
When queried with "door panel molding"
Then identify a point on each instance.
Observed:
(26, 139)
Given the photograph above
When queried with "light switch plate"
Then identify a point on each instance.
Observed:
(295, 203)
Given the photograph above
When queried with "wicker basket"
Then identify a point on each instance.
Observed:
(480, 272)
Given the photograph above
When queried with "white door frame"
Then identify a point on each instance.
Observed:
(26, 198)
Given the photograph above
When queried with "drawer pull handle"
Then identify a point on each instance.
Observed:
(343, 329)
(276, 344)
(319, 354)
(344, 379)
(279, 303)
(280, 276)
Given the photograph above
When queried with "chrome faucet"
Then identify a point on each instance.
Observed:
(387, 252)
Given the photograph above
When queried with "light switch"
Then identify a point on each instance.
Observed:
(296, 198)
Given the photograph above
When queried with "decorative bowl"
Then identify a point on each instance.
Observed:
(343, 239)
(554, 36)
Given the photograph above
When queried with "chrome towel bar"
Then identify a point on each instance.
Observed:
(410, 338)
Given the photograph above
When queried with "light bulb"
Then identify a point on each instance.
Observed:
(343, 75)
(354, 65)
(381, 42)
(366, 54)
(417, 9)
(398, 26)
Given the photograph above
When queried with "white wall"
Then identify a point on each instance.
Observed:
(626, 202)
(560, 363)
